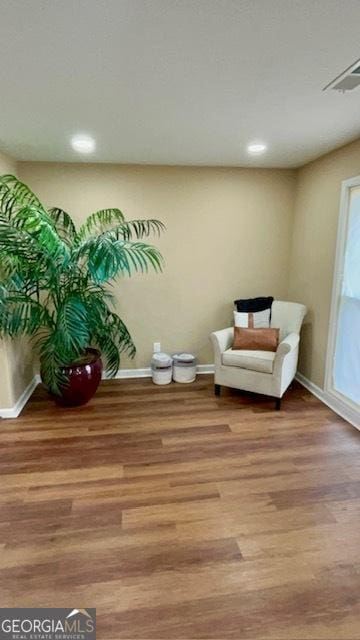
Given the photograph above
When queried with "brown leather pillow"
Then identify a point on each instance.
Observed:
(256, 339)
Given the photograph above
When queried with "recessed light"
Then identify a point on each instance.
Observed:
(83, 143)
(256, 148)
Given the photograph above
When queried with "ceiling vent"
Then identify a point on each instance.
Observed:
(347, 80)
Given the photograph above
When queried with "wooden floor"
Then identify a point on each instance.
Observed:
(180, 515)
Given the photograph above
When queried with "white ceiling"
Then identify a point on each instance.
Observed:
(177, 81)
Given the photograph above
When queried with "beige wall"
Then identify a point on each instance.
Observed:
(15, 357)
(316, 214)
(228, 235)
(7, 165)
(231, 232)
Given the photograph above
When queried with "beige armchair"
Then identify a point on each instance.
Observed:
(264, 372)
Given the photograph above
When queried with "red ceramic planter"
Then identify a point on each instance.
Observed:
(84, 379)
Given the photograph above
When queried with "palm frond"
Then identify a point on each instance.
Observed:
(72, 327)
(105, 323)
(20, 244)
(21, 315)
(108, 257)
(15, 194)
(64, 224)
(21, 208)
(110, 354)
(138, 229)
(13, 265)
(40, 226)
(120, 334)
(49, 347)
(98, 221)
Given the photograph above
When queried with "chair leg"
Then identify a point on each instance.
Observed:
(217, 389)
(277, 404)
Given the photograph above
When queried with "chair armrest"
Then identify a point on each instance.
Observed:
(285, 362)
(288, 344)
(222, 340)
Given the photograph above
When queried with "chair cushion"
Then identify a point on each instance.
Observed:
(262, 361)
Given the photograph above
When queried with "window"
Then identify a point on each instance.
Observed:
(343, 361)
(347, 346)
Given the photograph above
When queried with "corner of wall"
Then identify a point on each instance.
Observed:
(313, 247)
(15, 356)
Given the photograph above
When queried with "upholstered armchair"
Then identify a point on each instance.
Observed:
(264, 372)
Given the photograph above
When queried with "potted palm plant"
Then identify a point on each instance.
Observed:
(54, 286)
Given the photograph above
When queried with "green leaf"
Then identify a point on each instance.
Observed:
(98, 221)
(40, 226)
(51, 360)
(110, 354)
(20, 314)
(120, 334)
(15, 194)
(138, 229)
(72, 327)
(64, 224)
(19, 243)
(108, 257)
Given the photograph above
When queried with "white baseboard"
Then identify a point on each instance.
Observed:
(16, 409)
(205, 368)
(14, 412)
(146, 373)
(130, 373)
(333, 403)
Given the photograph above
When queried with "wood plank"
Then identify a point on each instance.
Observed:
(178, 514)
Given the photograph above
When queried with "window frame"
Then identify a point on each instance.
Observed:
(338, 274)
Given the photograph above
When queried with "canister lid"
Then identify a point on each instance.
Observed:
(183, 357)
(161, 360)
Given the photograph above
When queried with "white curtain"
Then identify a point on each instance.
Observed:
(347, 351)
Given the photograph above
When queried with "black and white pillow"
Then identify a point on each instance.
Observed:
(260, 308)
